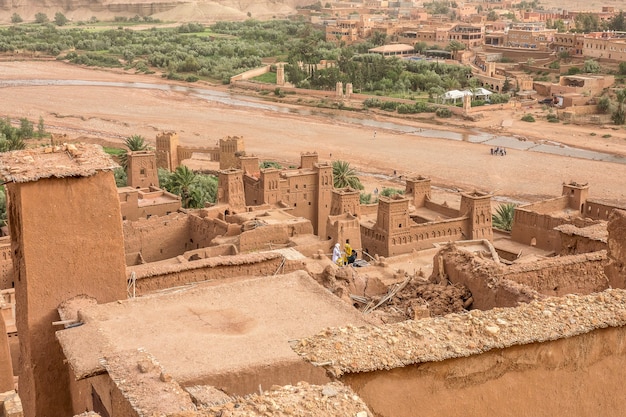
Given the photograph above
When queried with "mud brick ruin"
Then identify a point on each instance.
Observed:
(236, 309)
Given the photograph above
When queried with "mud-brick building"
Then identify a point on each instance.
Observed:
(414, 222)
(170, 153)
(534, 224)
(305, 192)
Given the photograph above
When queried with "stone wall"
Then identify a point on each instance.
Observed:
(6, 264)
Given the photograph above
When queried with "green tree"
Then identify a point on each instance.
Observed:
(379, 38)
(388, 192)
(622, 68)
(345, 176)
(26, 128)
(203, 190)
(591, 66)
(121, 179)
(133, 143)
(619, 115)
(492, 16)
(181, 183)
(604, 104)
(503, 217)
(41, 128)
(41, 18)
(11, 143)
(16, 18)
(454, 46)
(60, 19)
(618, 22)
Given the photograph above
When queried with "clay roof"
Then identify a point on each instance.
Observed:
(208, 331)
(68, 160)
(365, 349)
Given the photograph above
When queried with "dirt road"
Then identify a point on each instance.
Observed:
(115, 112)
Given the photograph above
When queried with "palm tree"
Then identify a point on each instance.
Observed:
(181, 182)
(503, 217)
(133, 143)
(345, 176)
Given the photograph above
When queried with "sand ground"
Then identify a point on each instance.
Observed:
(111, 113)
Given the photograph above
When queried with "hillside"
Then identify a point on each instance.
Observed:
(203, 11)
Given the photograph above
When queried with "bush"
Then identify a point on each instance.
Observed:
(553, 118)
(573, 71)
(528, 118)
(443, 112)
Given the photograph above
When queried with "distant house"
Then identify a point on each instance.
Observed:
(397, 49)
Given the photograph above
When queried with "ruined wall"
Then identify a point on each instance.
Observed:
(498, 285)
(572, 244)
(157, 277)
(578, 376)
(158, 238)
(575, 274)
(483, 278)
(203, 229)
(616, 268)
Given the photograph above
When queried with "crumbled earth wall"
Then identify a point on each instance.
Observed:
(498, 285)
(616, 269)
(483, 278)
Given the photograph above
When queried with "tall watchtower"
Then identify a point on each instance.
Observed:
(142, 171)
(308, 160)
(477, 207)
(577, 195)
(74, 247)
(418, 188)
(393, 222)
(324, 196)
(230, 149)
(345, 200)
(270, 184)
(230, 188)
(167, 150)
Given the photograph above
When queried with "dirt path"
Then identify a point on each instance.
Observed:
(113, 113)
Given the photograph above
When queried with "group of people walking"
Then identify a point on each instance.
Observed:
(498, 151)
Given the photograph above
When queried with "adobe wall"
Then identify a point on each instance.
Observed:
(157, 277)
(535, 229)
(597, 210)
(6, 264)
(263, 237)
(616, 269)
(578, 376)
(440, 208)
(158, 238)
(419, 236)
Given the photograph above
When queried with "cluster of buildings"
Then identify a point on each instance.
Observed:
(220, 311)
(494, 26)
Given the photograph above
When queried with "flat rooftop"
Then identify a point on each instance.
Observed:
(202, 333)
(68, 160)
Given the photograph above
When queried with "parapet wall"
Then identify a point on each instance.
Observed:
(157, 238)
